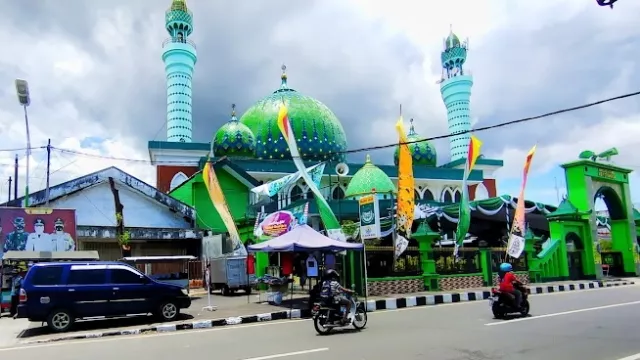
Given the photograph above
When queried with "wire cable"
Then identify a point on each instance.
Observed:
(380, 147)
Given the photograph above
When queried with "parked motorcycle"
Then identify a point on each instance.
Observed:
(502, 304)
(327, 317)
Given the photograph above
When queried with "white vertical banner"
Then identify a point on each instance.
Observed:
(369, 217)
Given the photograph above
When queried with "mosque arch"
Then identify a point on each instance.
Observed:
(337, 193)
(417, 195)
(177, 180)
(447, 196)
(295, 193)
(481, 192)
(428, 195)
(457, 196)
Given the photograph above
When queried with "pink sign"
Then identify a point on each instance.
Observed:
(277, 223)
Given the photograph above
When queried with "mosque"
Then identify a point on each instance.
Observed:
(250, 149)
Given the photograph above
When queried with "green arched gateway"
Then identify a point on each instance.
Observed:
(574, 224)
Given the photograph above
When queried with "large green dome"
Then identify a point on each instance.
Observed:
(234, 139)
(369, 179)
(422, 153)
(318, 131)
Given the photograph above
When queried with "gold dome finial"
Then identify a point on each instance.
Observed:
(179, 5)
(367, 159)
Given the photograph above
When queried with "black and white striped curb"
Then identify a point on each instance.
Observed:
(372, 305)
(449, 298)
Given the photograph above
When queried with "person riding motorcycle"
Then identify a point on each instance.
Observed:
(333, 292)
(508, 282)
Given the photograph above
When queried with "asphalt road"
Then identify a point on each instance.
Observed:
(586, 325)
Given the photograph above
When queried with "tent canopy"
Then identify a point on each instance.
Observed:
(303, 238)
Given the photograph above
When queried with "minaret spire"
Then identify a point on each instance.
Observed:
(283, 77)
(179, 56)
(233, 113)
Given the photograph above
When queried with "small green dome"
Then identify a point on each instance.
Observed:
(422, 153)
(234, 139)
(318, 132)
(369, 179)
(452, 41)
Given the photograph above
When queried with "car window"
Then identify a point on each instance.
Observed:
(87, 277)
(45, 275)
(122, 276)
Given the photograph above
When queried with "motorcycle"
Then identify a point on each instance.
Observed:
(502, 304)
(327, 317)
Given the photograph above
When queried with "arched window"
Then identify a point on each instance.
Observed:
(481, 192)
(446, 196)
(309, 194)
(417, 195)
(177, 180)
(428, 195)
(337, 193)
(296, 193)
(457, 196)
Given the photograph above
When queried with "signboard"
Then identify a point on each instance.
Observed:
(280, 222)
(369, 217)
(37, 229)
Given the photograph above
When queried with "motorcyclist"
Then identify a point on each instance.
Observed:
(508, 283)
(334, 292)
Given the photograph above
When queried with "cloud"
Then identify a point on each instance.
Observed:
(98, 85)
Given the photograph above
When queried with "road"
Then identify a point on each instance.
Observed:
(585, 325)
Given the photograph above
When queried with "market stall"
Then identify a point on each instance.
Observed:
(301, 239)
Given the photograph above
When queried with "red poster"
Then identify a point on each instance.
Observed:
(37, 229)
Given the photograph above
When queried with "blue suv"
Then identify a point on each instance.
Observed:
(60, 293)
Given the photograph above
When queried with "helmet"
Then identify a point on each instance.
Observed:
(331, 274)
(506, 267)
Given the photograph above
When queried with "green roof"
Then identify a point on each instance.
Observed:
(565, 210)
(369, 179)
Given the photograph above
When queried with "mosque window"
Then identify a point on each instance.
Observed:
(417, 195)
(309, 194)
(178, 178)
(337, 193)
(428, 195)
(446, 196)
(457, 196)
(296, 193)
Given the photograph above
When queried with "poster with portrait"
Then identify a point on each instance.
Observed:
(37, 229)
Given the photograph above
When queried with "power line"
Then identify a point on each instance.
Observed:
(380, 147)
(23, 149)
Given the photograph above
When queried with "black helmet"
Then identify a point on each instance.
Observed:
(331, 274)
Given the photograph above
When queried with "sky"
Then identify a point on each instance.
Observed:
(98, 87)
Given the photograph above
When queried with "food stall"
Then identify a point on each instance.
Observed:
(166, 269)
(14, 262)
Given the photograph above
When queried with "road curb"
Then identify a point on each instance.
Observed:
(372, 305)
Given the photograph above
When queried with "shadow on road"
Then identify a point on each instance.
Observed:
(98, 324)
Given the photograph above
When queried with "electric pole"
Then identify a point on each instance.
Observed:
(9, 200)
(48, 172)
(22, 90)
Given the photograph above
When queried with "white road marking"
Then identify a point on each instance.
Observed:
(295, 353)
(27, 346)
(562, 313)
(631, 357)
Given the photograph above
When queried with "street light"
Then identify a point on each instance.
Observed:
(22, 90)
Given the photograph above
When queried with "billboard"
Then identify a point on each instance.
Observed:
(280, 222)
(37, 229)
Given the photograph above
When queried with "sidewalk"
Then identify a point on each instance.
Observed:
(242, 309)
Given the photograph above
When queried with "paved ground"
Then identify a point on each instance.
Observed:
(22, 331)
(586, 325)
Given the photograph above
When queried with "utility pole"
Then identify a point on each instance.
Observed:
(9, 200)
(22, 90)
(15, 180)
(48, 172)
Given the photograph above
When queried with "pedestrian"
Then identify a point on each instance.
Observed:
(16, 284)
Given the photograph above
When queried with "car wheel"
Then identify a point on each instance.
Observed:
(168, 311)
(60, 320)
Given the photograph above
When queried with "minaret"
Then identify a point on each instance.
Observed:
(455, 88)
(179, 56)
